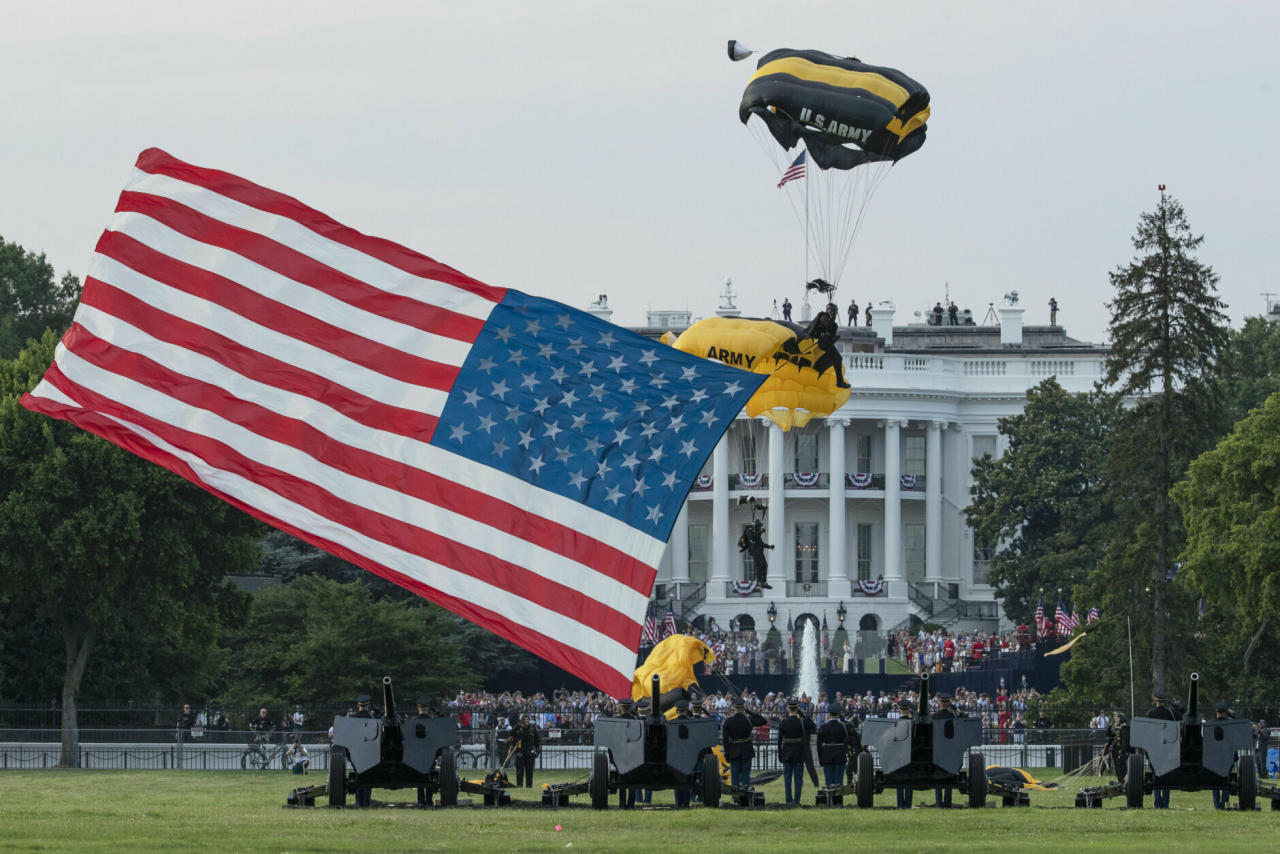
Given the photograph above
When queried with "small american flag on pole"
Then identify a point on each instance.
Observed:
(649, 637)
(1062, 621)
(794, 171)
(1094, 614)
(1042, 624)
(512, 459)
(669, 624)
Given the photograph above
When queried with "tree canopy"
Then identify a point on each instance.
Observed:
(31, 301)
(1046, 499)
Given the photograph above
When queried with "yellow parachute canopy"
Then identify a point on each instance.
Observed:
(672, 660)
(795, 391)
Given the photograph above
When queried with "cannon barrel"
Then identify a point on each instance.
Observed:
(1193, 699)
(923, 712)
(657, 695)
(388, 698)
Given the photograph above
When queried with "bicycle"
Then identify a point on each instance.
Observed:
(260, 754)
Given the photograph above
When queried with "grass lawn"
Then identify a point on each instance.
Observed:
(126, 811)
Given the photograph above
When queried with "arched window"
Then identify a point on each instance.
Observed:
(869, 623)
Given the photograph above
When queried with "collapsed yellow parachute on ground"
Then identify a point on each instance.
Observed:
(672, 660)
(795, 390)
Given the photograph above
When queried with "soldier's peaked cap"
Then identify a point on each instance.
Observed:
(738, 704)
(364, 698)
(424, 701)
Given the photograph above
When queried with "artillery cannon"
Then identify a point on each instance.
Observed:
(648, 752)
(921, 753)
(1190, 755)
(389, 753)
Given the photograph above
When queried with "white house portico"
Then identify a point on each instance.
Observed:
(865, 508)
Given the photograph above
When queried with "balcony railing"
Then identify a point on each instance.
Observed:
(806, 588)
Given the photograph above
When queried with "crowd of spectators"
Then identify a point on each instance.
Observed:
(941, 651)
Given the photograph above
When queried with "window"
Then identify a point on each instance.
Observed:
(748, 446)
(982, 554)
(913, 550)
(913, 455)
(864, 455)
(698, 541)
(806, 551)
(806, 451)
(864, 551)
(983, 445)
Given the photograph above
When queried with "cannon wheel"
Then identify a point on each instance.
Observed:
(977, 781)
(1133, 781)
(710, 781)
(1248, 782)
(448, 779)
(338, 777)
(864, 781)
(598, 783)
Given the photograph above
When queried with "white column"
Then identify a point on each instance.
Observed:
(837, 561)
(933, 501)
(894, 575)
(776, 535)
(720, 533)
(679, 547)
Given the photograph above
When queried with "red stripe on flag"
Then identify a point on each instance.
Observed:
(302, 268)
(156, 162)
(292, 378)
(285, 319)
(567, 657)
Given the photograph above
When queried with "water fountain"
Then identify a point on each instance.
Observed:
(807, 667)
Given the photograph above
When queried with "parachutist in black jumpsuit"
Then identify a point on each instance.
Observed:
(825, 329)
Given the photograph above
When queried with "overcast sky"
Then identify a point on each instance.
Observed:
(569, 148)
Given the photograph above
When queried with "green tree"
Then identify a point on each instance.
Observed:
(1167, 329)
(1248, 371)
(327, 641)
(30, 300)
(1232, 557)
(1045, 500)
(99, 542)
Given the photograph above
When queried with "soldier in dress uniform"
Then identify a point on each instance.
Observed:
(735, 733)
(942, 794)
(1221, 797)
(683, 710)
(793, 745)
(627, 709)
(833, 747)
(526, 744)
(906, 711)
(364, 709)
(643, 708)
(1162, 710)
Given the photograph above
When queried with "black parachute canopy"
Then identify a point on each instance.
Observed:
(846, 111)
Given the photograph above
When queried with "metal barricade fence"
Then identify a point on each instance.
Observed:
(478, 751)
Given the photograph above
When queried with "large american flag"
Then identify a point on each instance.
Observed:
(794, 171)
(517, 461)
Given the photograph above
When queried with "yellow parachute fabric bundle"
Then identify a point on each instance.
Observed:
(1016, 778)
(794, 392)
(672, 660)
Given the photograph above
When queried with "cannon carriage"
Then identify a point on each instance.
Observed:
(388, 752)
(1189, 755)
(918, 753)
(648, 752)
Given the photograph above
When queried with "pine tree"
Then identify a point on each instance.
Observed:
(1167, 329)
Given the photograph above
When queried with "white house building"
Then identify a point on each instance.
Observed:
(865, 508)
